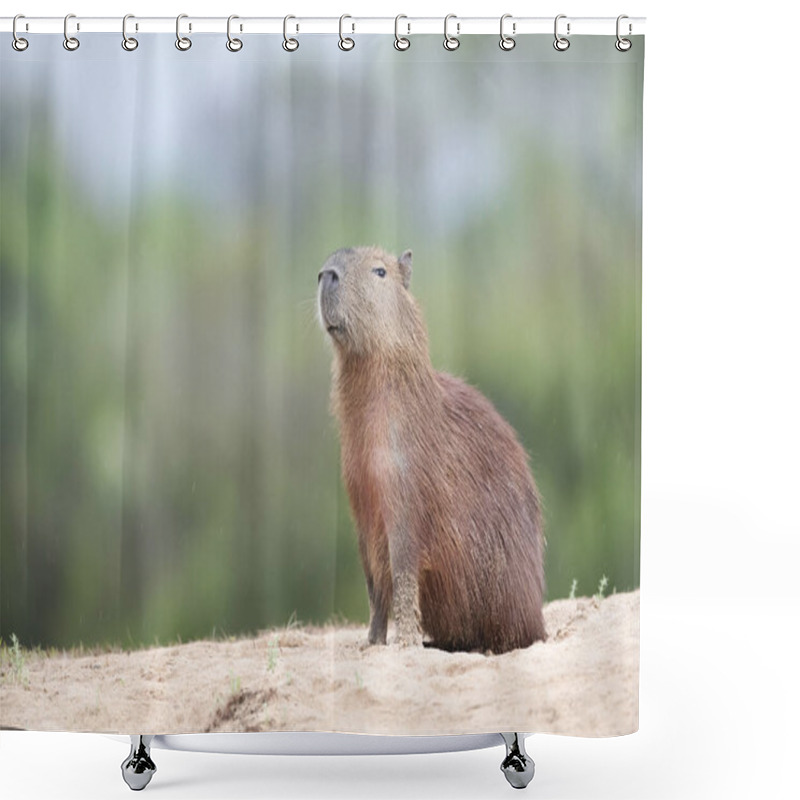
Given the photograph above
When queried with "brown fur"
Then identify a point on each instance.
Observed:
(448, 516)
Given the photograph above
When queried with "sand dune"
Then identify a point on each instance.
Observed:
(582, 681)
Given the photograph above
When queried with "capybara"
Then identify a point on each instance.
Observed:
(448, 516)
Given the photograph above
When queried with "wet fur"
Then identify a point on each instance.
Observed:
(448, 515)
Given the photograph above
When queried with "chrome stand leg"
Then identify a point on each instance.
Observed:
(518, 766)
(138, 768)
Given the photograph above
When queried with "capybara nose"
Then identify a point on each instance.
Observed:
(328, 279)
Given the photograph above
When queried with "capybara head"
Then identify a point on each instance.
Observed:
(364, 302)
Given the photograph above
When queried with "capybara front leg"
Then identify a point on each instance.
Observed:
(378, 615)
(406, 610)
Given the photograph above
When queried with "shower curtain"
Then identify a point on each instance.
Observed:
(224, 466)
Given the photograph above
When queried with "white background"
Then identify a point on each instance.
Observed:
(720, 436)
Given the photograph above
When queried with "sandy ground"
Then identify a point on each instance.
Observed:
(582, 681)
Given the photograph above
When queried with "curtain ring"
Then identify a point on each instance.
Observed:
(623, 45)
(561, 43)
(507, 42)
(234, 45)
(182, 42)
(451, 42)
(128, 42)
(289, 45)
(70, 42)
(18, 43)
(401, 42)
(345, 43)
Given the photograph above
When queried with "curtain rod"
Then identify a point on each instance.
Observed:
(602, 26)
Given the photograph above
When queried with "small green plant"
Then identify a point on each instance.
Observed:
(573, 589)
(15, 657)
(293, 622)
(601, 588)
(235, 683)
(359, 680)
(272, 654)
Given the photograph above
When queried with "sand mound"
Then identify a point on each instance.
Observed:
(582, 681)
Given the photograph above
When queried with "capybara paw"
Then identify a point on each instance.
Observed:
(376, 637)
(409, 638)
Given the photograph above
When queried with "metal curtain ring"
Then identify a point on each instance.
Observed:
(623, 45)
(18, 43)
(70, 42)
(451, 42)
(345, 43)
(289, 45)
(234, 45)
(400, 42)
(182, 42)
(507, 42)
(128, 42)
(561, 43)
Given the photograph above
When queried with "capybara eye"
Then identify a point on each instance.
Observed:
(380, 272)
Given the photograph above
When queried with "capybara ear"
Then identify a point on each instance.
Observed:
(405, 267)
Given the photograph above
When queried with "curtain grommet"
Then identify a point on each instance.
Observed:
(451, 43)
(345, 42)
(507, 42)
(183, 43)
(17, 42)
(289, 44)
(401, 43)
(234, 45)
(622, 44)
(561, 43)
(129, 43)
(71, 43)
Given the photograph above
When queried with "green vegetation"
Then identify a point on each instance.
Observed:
(13, 661)
(169, 464)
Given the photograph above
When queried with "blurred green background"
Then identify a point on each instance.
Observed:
(169, 463)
